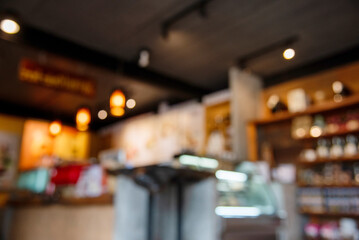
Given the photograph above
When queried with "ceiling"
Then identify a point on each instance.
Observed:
(192, 60)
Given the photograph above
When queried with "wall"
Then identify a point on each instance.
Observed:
(151, 139)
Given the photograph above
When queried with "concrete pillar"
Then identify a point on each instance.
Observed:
(131, 209)
(199, 218)
(245, 105)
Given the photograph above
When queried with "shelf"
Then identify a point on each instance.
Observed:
(327, 214)
(314, 109)
(330, 160)
(328, 135)
(328, 186)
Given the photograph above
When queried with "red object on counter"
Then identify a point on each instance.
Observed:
(67, 175)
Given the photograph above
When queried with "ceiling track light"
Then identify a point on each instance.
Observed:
(280, 45)
(9, 23)
(199, 6)
(144, 57)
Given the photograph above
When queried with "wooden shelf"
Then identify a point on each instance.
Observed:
(328, 135)
(330, 160)
(328, 186)
(314, 109)
(328, 214)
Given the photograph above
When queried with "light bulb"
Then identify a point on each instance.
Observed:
(9, 26)
(102, 114)
(289, 53)
(55, 128)
(131, 103)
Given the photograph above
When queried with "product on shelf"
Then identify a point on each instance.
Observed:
(323, 148)
(344, 228)
(340, 91)
(275, 104)
(329, 174)
(351, 146)
(298, 100)
(337, 148)
(329, 200)
(334, 148)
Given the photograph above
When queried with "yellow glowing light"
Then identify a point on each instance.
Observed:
(102, 114)
(83, 119)
(55, 128)
(82, 127)
(117, 111)
(117, 99)
(131, 103)
(9, 26)
(315, 131)
(117, 103)
(289, 53)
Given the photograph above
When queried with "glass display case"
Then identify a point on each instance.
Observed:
(246, 203)
(244, 193)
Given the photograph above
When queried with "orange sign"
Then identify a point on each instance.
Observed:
(33, 72)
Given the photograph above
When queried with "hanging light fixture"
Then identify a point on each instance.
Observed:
(83, 119)
(55, 128)
(117, 103)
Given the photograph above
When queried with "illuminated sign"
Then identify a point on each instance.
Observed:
(33, 72)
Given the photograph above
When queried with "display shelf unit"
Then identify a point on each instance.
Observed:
(279, 119)
(270, 137)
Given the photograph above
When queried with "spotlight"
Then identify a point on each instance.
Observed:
(131, 103)
(289, 53)
(102, 114)
(9, 26)
(144, 58)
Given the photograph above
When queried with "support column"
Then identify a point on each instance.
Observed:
(245, 106)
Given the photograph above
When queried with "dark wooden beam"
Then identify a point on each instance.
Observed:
(35, 38)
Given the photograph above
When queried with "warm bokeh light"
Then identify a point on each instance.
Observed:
(315, 131)
(55, 128)
(83, 119)
(102, 114)
(117, 99)
(117, 111)
(117, 103)
(131, 103)
(289, 53)
(9, 26)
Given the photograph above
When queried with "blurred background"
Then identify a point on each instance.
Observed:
(193, 119)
